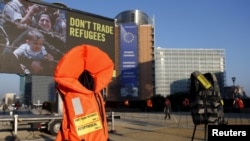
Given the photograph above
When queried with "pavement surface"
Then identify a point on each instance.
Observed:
(139, 126)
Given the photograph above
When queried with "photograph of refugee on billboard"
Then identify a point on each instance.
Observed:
(32, 37)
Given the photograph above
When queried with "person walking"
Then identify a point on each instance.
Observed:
(167, 109)
(5, 107)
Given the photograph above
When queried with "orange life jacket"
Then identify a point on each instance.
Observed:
(241, 104)
(84, 116)
(149, 103)
(126, 103)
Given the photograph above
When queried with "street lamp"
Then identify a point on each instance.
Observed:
(233, 78)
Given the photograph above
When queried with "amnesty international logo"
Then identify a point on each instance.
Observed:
(128, 37)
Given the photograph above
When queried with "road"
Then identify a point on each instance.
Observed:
(138, 126)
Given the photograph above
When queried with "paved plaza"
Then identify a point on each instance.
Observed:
(141, 126)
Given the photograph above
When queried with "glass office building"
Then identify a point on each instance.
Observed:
(173, 68)
(35, 89)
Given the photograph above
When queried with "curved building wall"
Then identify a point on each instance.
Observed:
(141, 44)
(133, 16)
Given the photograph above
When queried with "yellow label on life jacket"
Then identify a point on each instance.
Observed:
(87, 124)
(204, 81)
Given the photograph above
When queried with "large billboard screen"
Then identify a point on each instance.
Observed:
(35, 35)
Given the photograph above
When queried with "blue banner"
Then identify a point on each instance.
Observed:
(129, 59)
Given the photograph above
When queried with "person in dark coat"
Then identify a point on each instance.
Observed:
(167, 109)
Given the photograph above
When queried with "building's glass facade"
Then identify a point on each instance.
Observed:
(173, 67)
(38, 89)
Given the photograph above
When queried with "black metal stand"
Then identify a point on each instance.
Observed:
(194, 132)
(206, 118)
(205, 134)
